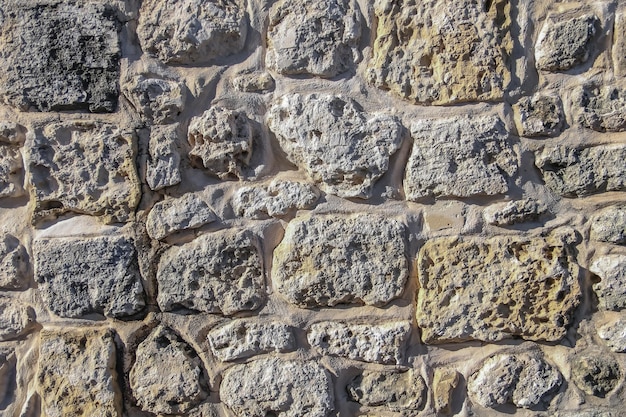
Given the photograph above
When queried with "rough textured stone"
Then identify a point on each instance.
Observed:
(11, 171)
(275, 387)
(172, 391)
(14, 266)
(83, 167)
(340, 146)
(611, 290)
(596, 374)
(16, 319)
(541, 115)
(517, 211)
(191, 31)
(600, 108)
(441, 53)
(221, 142)
(159, 101)
(445, 382)
(313, 37)
(254, 82)
(578, 172)
(394, 390)
(619, 44)
(163, 166)
(221, 272)
(525, 380)
(496, 288)
(12, 133)
(244, 338)
(81, 276)
(459, 156)
(382, 343)
(614, 334)
(609, 225)
(564, 43)
(275, 200)
(76, 374)
(59, 55)
(7, 370)
(327, 260)
(185, 213)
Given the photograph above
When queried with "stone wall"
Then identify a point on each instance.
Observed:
(312, 208)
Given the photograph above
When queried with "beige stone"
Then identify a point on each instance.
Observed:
(164, 156)
(14, 264)
(445, 382)
(276, 199)
(619, 44)
(16, 319)
(188, 212)
(611, 290)
(517, 211)
(397, 391)
(609, 225)
(158, 100)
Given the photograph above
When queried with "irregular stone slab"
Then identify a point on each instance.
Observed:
(81, 276)
(497, 288)
(221, 142)
(13, 264)
(609, 225)
(564, 43)
(611, 290)
(174, 390)
(383, 343)
(441, 53)
(174, 215)
(281, 388)
(11, 133)
(163, 166)
(596, 374)
(274, 200)
(159, 101)
(619, 44)
(7, 372)
(394, 390)
(313, 37)
(525, 380)
(594, 412)
(16, 319)
(339, 146)
(540, 115)
(579, 172)
(191, 31)
(614, 334)
(602, 109)
(518, 211)
(254, 82)
(325, 260)
(83, 167)
(445, 382)
(220, 272)
(77, 375)
(244, 338)
(11, 172)
(59, 55)
(460, 157)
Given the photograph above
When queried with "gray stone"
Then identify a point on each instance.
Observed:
(220, 272)
(609, 225)
(254, 82)
(159, 101)
(611, 290)
(382, 343)
(460, 157)
(517, 211)
(7, 372)
(188, 212)
(14, 266)
(11, 172)
(325, 260)
(81, 276)
(339, 146)
(596, 374)
(541, 115)
(163, 166)
(276, 199)
(313, 37)
(602, 109)
(244, 338)
(619, 44)
(12, 133)
(191, 31)
(174, 390)
(82, 167)
(16, 319)
(579, 172)
(564, 43)
(594, 412)
(59, 55)
(614, 334)
(398, 391)
(276, 387)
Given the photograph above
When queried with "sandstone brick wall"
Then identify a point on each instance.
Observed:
(312, 208)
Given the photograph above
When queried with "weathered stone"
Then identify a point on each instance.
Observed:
(13, 264)
(600, 108)
(382, 343)
(81, 276)
(564, 42)
(275, 200)
(16, 319)
(460, 157)
(191, 31)
(11, 133)
(596, 374)
(619, 44)
(496, 288)
(83, 167)
(614, 334)
(254, 82)
(441, 53)
(174, 390)
(221, 142)
(7, 372)
(339, 146)
(325, 260)
(275, 387)
(244, 338)
(313, 37)
(159, 101)
(578, 172)
(611, 290)
(394, 390)
(59, 55)
(525, 380)
(163, 166)
(609, 225)
(185, 213)
(445, 382)
(517, 211)
(594, 412)
(11, 171)
(76, 374)
(220, 272)
(540, 115)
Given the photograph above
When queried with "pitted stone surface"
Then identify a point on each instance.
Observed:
(14, 264)
(398, 391)
(12, 133)
(220, 272)
(441, 53)
(16, 319)
(59, 55)
(496, 288)
(541, 115)
(191, 31)
(163, 166)
(82, 276)
(341, 147)
(614, 334)
(326, 260)
(611, 290)
(518, 211)
(12, 136)
(282, 388)
(313, 37)
(159, 101)
(460, 157)
(609, 225)
(188, 212)
(600, 108)
(382, 343)
(595, 373)
(276, 199)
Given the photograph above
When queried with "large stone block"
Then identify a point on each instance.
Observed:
(601, 108)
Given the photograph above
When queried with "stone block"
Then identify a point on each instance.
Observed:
(188, 212)
(601, 108)
(276, 199)
(163, 166)
(397, 391)
(609, 225)
(14, 264)
(595, 373)
(16, 319)
(540, 115)
(611, 290)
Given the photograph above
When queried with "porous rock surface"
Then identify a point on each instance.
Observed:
(178, 214)
(276, 199)
(398, 391)
(611, 290)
